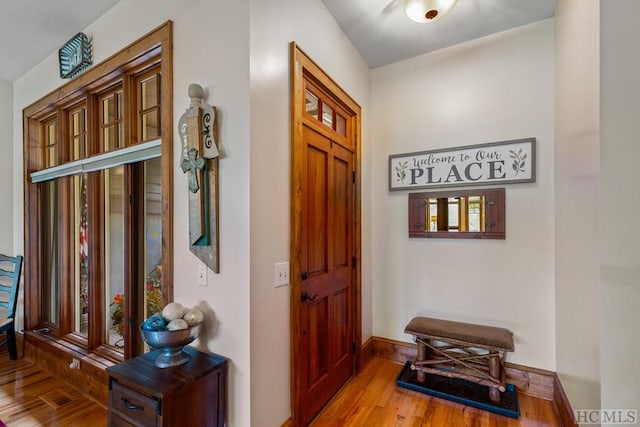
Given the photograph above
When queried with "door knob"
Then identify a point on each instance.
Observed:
(306, 297)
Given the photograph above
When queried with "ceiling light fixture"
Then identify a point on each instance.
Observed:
(423, 11)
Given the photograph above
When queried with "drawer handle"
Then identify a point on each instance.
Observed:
(130, 405)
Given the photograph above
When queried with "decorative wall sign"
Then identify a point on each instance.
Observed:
(75, 56)
(199, 160)
(483, 164)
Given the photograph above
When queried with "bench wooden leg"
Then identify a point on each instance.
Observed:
(422, 355)
(494, 371)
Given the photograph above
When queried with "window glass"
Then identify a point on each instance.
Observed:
(153, 236)
(81, 255)
(111, 121)
(150, 128)
(50, 285)
(149, 107)
(51, 152)
(114, 249)
(78, 134)
(149, 89)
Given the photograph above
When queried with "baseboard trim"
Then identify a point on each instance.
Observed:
(563, 406)
(287, 423)
(535, 382)
(366, 353)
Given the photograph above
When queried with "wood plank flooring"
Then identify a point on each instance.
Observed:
(372, 399)
(25, 390)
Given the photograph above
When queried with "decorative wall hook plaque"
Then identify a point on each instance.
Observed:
(75, 56)
(197, 129)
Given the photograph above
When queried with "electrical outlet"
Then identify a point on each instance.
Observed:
(202, 276)
(281, 274)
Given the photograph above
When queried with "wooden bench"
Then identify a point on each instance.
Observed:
(461, 350)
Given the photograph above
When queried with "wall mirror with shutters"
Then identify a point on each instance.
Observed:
(461, 214)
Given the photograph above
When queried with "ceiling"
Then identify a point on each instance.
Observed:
(31, 29)
(383, 34)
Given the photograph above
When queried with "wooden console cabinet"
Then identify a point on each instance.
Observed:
(193, 394)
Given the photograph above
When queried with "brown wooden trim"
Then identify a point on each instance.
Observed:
(52, 350)
(296, 232)
(366, 352)
(565, 412)
(288, 422)
(166, 130)
(136, 52)
(532, 381)
(301, 66)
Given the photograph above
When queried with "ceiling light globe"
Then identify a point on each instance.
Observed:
(423, 11)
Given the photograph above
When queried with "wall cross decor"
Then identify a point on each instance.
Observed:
(199, 159)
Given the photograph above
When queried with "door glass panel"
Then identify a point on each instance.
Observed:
(311, 104)
(81, 255)
(153, 236)
(50, 285)
(114, 257)
(327, 115)
(341, 125)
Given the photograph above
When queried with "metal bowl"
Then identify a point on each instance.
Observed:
(170, 344)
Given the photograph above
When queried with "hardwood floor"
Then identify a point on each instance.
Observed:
(25, 390)
(372, 399)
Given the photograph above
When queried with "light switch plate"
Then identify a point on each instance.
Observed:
(202, 276)
(281, 274)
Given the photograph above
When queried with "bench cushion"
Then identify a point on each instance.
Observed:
(480, 335)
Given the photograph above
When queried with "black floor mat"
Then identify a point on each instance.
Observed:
(461, 391)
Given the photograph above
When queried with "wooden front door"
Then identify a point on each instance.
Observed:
(325, 240)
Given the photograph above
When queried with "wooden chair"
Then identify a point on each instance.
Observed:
(9, 283)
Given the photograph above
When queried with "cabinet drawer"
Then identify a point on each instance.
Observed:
(142, 410)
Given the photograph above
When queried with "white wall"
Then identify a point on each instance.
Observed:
(577, 201)
(6, 168)
(211, 47)
(619, 202)
(495, 88)
(274, 23)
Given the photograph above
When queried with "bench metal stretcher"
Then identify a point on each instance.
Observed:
(461, 350)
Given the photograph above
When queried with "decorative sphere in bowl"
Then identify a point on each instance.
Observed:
(170, 344)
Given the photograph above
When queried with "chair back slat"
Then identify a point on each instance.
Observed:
(10, 289)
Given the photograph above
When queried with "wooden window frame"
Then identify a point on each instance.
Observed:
(153, 49)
